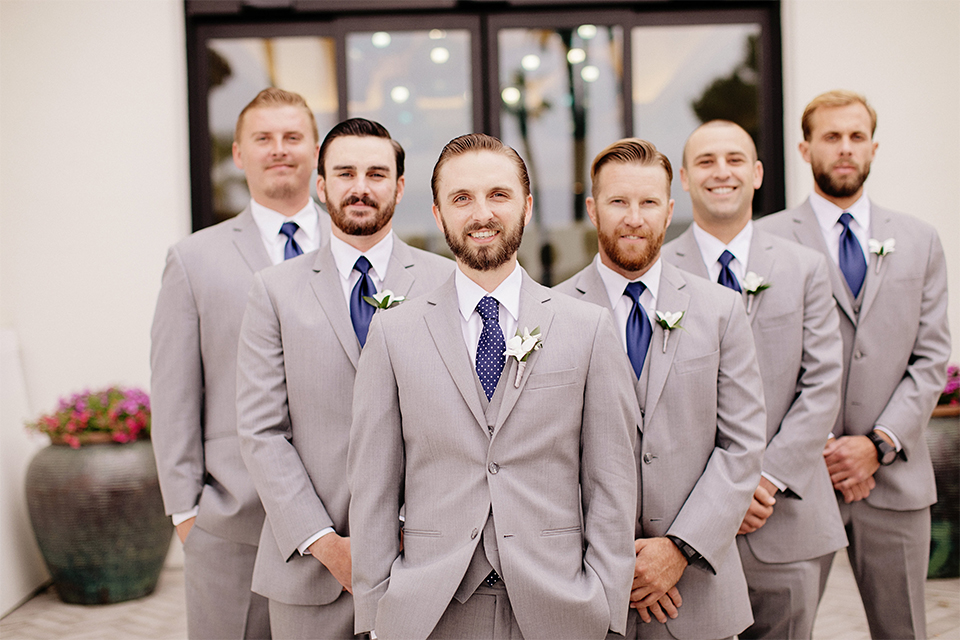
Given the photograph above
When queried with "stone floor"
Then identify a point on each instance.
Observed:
(161, 616)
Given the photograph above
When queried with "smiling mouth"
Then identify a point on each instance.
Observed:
(483, 234)
(721, 191)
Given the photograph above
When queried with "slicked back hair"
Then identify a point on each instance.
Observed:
(359, 127)
(835, 98)
(478, 142)
(274, 97)
(630, 151)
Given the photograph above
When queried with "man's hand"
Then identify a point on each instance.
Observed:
(333, 552)
(851, 462)
(665, 606)
(183, 529)
(761, 507)
(657, 570)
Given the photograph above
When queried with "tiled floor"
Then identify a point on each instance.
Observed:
(161, 616)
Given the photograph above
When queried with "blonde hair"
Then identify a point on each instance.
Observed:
(835, 98)
(274, 97)
(630, 150)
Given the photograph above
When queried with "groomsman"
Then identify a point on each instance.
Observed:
(305, 325)
(194, 355)
(792, 521)
(700, 395)
(513, 462)
(889, 280)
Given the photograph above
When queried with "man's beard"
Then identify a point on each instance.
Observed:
(632, 261)
(840, 186)
(365, 227)
(487, 257)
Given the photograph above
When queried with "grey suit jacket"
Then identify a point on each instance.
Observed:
(797, 334)
(555, 469)
(702, 441)
(193, 361)
(297, 360)
(895, 348)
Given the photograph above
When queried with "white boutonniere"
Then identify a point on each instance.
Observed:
(882, 249)
(669, 321)
(753, 285)
(384, 299)
(521, 346)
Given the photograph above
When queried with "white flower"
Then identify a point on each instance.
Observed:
(384, 299)
(521, 346)
(669, 321)
(881, 249)
(753, 285)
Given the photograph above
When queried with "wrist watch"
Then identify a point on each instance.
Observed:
(688, 552)
(886, 453)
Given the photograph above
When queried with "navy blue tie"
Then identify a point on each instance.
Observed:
(292, 249)
(639, 331)
(727, 278)
(361, 311)
(491, 347)
(852, 263)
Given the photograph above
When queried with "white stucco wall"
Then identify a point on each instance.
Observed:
(94, 179)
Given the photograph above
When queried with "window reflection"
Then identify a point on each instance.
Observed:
(418, 85)
(242, 67)
(686, 75)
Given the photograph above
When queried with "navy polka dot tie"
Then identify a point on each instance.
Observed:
(491, 348)
(727, 278)
(291, 249)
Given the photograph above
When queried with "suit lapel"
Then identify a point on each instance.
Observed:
(881, 229)
(326, 286)
(399, 278)
(685, 253)
(533, 313)
(246, 238)
(443, 322)
(807, 232)
(672, 298)
(762, 262)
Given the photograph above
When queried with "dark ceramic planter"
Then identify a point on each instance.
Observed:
(98, 518)
(943, 439)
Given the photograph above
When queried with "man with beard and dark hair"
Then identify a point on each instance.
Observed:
(194, 357)
(889, 280)
(305, 325)
(698, 387)
(513, 462)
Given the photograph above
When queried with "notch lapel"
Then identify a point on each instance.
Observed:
(443, 322)
(762, 261)
(881, 229)
(533, 313)
(671, 297)
(685, 253)
(399, 278)
(326, 286)
(246, 238)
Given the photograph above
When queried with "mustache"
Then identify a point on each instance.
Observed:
(492, 225)
(364, 200)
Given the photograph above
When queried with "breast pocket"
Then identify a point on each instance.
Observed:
(548, 379)
(690, 365)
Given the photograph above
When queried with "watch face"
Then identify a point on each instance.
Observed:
(889, 455)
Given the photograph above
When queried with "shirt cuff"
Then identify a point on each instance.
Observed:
(304, 548)
(183, 516)
(896, 440)
(776, 483)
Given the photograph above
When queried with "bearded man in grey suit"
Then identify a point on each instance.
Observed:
(303, 331)
(889, 280)
(792, 521)
(194, 356)
(513, 462)
(698, 387)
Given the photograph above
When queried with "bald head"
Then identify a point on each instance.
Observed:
(732, 127)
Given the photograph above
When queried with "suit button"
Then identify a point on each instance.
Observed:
(493, 467)
(473, 534)
(649, 457)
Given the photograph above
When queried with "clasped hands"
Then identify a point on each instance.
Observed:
(658, 568)
(851, 462)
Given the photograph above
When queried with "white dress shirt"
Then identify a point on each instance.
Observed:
(621, 303)
(270, 221)
(469, 294)
(711, 248)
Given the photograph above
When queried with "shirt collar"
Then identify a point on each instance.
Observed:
(828, 213)
(345, 256)
(507, 293)
(270, 221)
(711, 247)
(616, 283)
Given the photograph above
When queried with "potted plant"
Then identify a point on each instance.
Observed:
(94, 498)
(943, 439)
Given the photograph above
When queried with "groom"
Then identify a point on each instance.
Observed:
(519, 484)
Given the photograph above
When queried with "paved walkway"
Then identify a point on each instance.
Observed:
(161, 616)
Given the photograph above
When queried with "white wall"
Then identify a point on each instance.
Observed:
(94, 188)
(904, 55)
